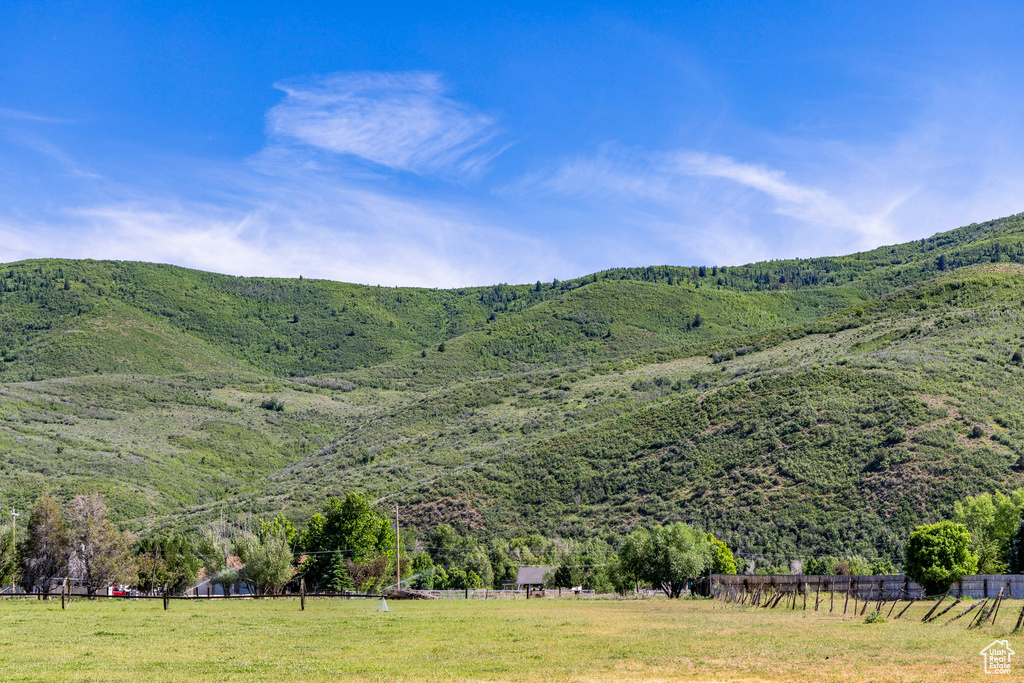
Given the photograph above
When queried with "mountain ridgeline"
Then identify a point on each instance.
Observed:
(793, 408)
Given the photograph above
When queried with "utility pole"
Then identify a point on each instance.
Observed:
(14, 545)
(152, 582)
(398, 554)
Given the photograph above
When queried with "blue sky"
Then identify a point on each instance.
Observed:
(447, 145)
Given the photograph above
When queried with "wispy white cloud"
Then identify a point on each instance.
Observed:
(308, 226)
(300, 206)
(19, 115)
(292, 209)
(818, 196)
(712, 207)
(400, 120)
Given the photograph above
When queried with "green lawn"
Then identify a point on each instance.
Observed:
(550, 639)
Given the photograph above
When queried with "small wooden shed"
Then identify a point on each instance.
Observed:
(532, 578)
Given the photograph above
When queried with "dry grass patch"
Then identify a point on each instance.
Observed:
(495, 641)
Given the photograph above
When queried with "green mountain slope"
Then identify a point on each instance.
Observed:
(66, 318)
(792, 407)
(841, 434)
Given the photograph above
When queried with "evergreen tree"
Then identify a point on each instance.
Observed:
(1016, 557)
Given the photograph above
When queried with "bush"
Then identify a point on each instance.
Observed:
(819, 566)
(939, 554)
(874, 618)
(272, 404)
(882, 568)
(852, 565)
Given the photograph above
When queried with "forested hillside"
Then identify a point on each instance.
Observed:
(808, 406)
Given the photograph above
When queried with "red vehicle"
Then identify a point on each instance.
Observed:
(118, 592)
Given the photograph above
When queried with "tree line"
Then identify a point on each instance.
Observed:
(349, 545)
(984, 535)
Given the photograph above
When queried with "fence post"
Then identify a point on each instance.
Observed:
(302, 593)
(898, 595)
(1019, 620)
(63, 589)
(166, 597)
(937, 603)
(995, 608)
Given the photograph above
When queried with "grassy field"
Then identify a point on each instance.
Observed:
(499, 640)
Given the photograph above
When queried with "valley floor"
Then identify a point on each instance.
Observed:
(544, 639)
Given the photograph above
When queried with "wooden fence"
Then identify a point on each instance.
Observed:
(870, 587)
(488, 594)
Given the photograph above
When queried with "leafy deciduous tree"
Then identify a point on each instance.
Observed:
(991, 520)
(267, 561)
(939, 554)
(9, 560)
(45, 548)
(368, 574)
(101, 554)
(214, 550)
(667, 556)
(722, 560)
(353, 529)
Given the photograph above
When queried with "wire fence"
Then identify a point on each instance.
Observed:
(197, 594)
(871, 587)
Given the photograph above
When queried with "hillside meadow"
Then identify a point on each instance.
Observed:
(868, 411)
(793, 408)
(544, 639)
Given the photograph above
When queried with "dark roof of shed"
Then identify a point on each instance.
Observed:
(532, 575)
